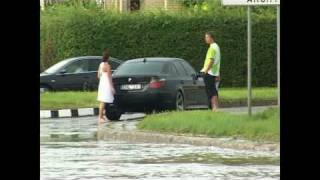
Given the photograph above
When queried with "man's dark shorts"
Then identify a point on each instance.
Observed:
(210, 82)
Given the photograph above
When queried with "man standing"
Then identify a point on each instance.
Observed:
(211, 70)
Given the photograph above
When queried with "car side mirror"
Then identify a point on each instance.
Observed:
(199, 75)
(63, 71)
(195, 76)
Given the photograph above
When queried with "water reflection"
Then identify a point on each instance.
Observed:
(70, 150)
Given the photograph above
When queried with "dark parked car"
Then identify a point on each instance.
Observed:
(78, 73)
(148, 84)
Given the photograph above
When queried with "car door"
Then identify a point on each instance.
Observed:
(74, 76)
(171, 74)
(93, 70)
(186, 82)
(198, 94)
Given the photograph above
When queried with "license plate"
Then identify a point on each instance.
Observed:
(130, 86)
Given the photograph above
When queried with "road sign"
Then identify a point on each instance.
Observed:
(250, 2)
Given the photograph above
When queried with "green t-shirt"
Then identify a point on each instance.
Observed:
(213, 53)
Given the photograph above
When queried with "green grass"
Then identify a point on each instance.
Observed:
(70, 99)
(263, 93)
(261, 126)
(74, 99)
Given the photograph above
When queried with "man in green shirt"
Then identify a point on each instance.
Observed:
(211, 70)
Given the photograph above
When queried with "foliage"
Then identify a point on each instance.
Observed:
(76, 31)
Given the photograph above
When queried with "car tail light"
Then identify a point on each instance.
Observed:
(156, 83)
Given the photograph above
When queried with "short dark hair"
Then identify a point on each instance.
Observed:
(105, 57)
(210, 34)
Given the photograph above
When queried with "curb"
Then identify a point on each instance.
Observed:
(69, 113)
(80, 112)
(154, 137)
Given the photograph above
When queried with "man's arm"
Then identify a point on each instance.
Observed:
(211, 56)
(209, 66)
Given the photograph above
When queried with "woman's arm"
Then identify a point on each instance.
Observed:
(110, 78)
(98, 73)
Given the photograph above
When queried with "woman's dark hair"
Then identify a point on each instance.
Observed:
(105, 57)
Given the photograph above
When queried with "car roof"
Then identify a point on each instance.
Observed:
(90, 57)
(155, 59)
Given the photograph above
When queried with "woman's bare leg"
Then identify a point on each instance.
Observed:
(101, 110)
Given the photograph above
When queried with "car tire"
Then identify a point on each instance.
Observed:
(151, 111)
(179, 102)
(44, 88)
(113, 114)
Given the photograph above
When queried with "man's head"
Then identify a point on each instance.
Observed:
(209, 38)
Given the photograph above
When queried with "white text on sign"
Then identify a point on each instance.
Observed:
(250, 2)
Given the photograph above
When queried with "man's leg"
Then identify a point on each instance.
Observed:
(207, 85)
(214, 103)
(214, 98)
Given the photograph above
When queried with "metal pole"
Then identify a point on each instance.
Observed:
(249, 61)
(278, 52)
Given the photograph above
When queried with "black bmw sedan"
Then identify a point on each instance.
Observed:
(78, 73)
(156, 83)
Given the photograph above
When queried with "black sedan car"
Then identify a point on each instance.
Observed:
(78, 73)
(148, 84)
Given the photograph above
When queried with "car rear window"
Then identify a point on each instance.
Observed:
(140, 68)
(113, 63)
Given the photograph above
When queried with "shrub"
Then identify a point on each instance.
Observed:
(69, 31)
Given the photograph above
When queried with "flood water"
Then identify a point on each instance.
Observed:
(70, 150)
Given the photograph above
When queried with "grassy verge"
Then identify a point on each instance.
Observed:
(261, 126)
(69, 99)
(263, 93)
(73, 99)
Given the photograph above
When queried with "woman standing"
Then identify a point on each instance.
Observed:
(106, 89)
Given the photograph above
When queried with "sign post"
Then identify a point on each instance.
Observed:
(249, 62)
(250, 3)
(278, 52)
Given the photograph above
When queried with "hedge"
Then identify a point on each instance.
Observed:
(70, 32)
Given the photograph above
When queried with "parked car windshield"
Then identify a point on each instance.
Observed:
(56, 67)
(140, 68)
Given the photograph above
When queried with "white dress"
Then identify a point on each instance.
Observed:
(104, 91)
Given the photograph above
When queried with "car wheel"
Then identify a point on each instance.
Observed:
(44, 88)
(86, 86)
(151, 111)
(180, 102)
(112, 114)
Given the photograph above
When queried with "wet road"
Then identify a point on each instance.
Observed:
(69, 150)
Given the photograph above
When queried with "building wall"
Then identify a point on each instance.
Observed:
(111, 4)
(152, 4)
(124, 5)
(161, 4)
(173, 5)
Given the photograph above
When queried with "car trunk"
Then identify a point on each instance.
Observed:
(142, 80)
